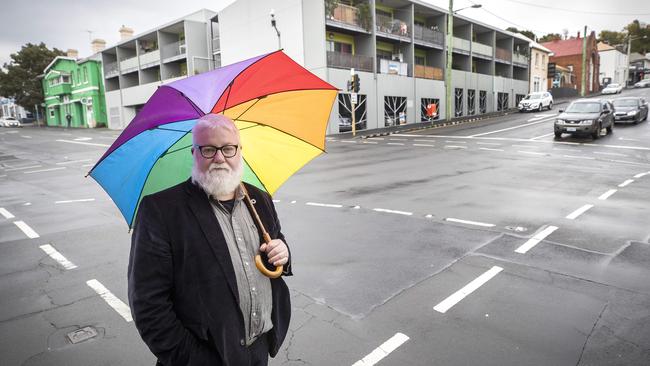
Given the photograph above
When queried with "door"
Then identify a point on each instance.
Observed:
(90, 120)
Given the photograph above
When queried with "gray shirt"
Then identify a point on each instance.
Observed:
(243, 241)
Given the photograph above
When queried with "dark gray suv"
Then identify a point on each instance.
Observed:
(586, 117)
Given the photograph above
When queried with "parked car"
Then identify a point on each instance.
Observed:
(585, 116)
(9, 122)
(536, 102)
(631, 109)
(642, 83)
(613, 88)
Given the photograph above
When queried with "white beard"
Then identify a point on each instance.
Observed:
(219, 180)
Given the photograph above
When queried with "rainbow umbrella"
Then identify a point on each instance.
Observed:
(280, 108)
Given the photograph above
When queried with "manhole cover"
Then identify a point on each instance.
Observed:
(82, 334)
(517, 229)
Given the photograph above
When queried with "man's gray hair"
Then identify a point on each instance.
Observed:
(214, 121)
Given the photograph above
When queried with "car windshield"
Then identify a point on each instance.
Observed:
(612, 86)
(625, 103)
(584, 108)
(533, 96)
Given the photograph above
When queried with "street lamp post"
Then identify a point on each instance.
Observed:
(450, 46)
(276, 29)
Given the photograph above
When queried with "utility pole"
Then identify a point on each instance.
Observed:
(584, 63)
(273, 24)
(627, 63)
(450, 45)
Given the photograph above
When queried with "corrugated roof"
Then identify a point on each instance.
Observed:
(565, 47)
(602, 46)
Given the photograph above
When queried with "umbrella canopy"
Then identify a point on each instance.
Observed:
(280, 108)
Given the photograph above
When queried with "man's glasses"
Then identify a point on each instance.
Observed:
(209, 151)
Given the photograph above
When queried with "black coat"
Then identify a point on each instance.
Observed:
(182, 286)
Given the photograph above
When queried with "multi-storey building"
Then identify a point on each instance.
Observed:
(398, 48)
(74, 92)
(613, 64)
(137, 65)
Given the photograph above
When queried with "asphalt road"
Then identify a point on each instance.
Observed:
(487, 243)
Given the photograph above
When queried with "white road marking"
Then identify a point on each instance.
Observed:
(531, 153)
(574, 215)
(579, 157)
(425, 145)
(83, 139)
(641, 175)
(8, 215)
(25, 136)
(398, 139)
(428, 216)
(54, 254)
(395, 143)
(451, 219)
(624, 139)
(455, 298)
(4, 175)
(489, 143)
(527, 146)
(457, 142)
(72, 162)
(356, 207)
(561, 149)
(536, 239)
(323, 204)
(420, 140)
(607, 194)
(489, 149)
(43, 170)
(23, 168)
(293, 202)
(87, 165)
(541, 116)
(370, 142)
(382, 351)
(455, 147)
(376, 138)
(79, 200)
(112, 300)
(509, 128)
(26, 229)
(605, 153)
(276, 201)
(83, 143)
(348, 141)
(539, 137)
(393, 211)
(626, 183)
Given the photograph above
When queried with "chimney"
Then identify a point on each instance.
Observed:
(578, 34)
(97, 45)
(72, 53)
(125, 33)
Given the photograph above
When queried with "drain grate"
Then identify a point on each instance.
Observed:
(81, 335)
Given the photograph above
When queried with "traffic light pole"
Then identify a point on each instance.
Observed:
(353, 103)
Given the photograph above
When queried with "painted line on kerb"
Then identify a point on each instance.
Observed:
(323, 204)
(26, 229)
(640, 175)
(393, 211)
(627, 182)
(382, 351)
(83, 143)
(476, 223)
(54, 254)
(511, 128)
(489, 149)
(424, 145)
(536, 239)
(72, 162)
(23, 168)
(79, 200)
(574, 215)
(607, 194)
(112, 300)
(44, 170)
(8, 215)
(455, 298)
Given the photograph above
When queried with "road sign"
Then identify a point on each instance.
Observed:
(353, 98)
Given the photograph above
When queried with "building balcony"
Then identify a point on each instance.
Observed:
(392, 26)
(520, 59)
(428, 35)
(428, 72)
(348, 61)
(482, 49)
(349, 16)
(174, 51)
(461, 45)
(393, 67)
(150, 59)
(59, 89)
(111, 69)
(503, 54)
(216, 45)
(129, 65)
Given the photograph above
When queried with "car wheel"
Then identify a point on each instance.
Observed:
(596, 134)
(610, 129)
(539, 109)
(550, 106)
(558, 135)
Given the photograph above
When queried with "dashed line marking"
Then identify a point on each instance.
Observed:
(26, 229)
(641, 175)
(489, 143)
(605, 153)
(393, 211)
(348, 141)
(79, 200)
(607, 194)
(455, 298)
(395, 143)
(424, 145)
(575, 214)
(455, 147)
(531, 153)
(536, 239)
(83, 143)
(456, 142)
(23, 168)
(489, 149)
(72, 162)
(323, 205)
(54, 254)
(627, 182)
(25, 136)
(527, 146)
(542, 136)
(8, 215)
(579, 157)
(44, 170)
(561, 149)
(382, 351)
(112, 300)
(376, 138)
(419, 140)
(398, 139)
(370, 142)
(468, 222)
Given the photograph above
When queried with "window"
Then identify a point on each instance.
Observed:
(85, 74)
(394, 111)
(420, 60)
(72, 77)
(345, 113)
(65, 78)
(471, 109)
(51, 112)
(458, 106)
(537, 60)
(340, 47)
(502, 101)
(429, 109)
(482, 101)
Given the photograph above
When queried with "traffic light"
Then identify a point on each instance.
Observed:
(356, 83)
(349, 86)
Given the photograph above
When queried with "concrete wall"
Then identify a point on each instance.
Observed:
(313, 31)
(196, 39)
(339, 78)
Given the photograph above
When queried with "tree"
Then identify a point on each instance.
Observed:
(550, 37)
(611, 37)
(526, 33)
(19, 78)
(640, 36)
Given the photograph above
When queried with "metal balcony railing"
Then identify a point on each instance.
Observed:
(347, 14)
(392, 26)
(216, 45)
(428, 35)
(503, 54)
(348, 60)
(520, 59)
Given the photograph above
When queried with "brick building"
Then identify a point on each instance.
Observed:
(568, 53)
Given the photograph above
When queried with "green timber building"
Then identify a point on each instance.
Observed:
(74, 87)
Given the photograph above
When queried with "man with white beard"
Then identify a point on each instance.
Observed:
(194, 291)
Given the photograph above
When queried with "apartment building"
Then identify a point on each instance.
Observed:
(398, 48)
(135, 67)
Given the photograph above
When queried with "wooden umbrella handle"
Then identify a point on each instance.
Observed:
(267, 239)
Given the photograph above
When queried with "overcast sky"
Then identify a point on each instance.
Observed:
(64, 23)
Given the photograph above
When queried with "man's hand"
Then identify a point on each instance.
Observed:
(277, 252)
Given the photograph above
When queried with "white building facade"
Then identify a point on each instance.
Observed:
(613, 64)
(539, 56)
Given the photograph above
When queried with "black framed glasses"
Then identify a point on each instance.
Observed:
(209, 151)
